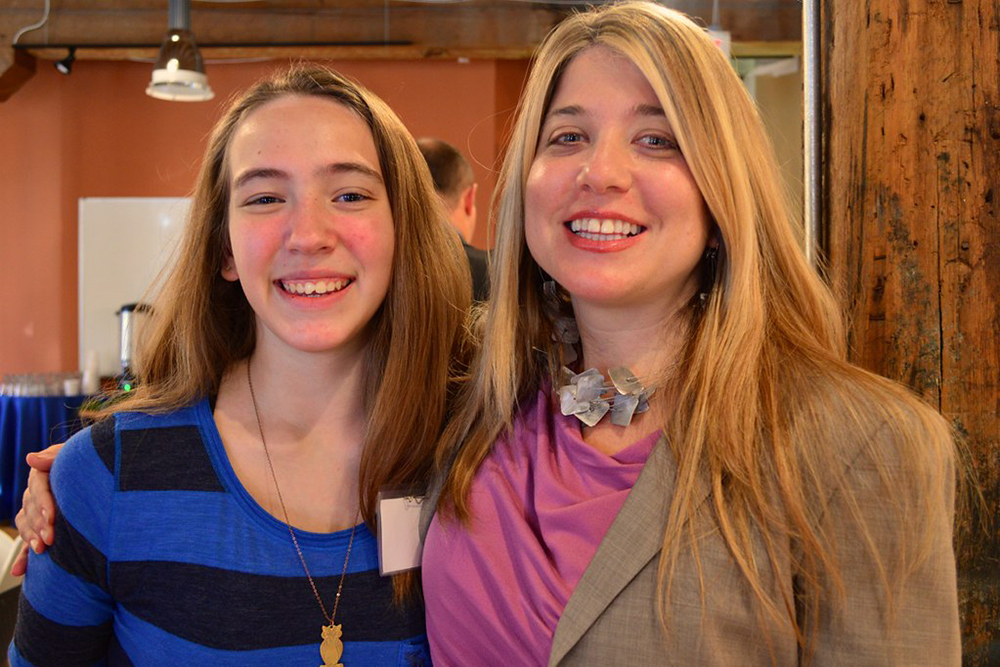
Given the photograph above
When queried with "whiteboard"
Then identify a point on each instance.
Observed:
(124, 242)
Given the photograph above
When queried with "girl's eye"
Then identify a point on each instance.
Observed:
(351, 197)
(262, 200)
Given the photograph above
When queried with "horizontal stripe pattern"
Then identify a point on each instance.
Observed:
(158, 541)
(149, 645)
(70, 645)
(62, 596)
(84, 488)
(76, 554)
(189, 519)
(251, 611)
(102, 434)
(165, 459)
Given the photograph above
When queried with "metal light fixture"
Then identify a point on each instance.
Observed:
(179, 74)
(65, 66)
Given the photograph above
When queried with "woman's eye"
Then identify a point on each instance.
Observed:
(567, 138)
(659, 141)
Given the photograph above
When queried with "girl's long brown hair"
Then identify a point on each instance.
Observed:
(766, 399)
(202, 324)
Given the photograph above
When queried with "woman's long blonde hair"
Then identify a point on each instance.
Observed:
(764, 390)
(202, 324)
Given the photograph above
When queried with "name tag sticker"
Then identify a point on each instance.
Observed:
(398, 532)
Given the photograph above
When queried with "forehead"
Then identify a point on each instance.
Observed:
(599, 73)
(302, 128)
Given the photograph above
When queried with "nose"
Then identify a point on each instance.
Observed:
(606, 167)
(310, 226)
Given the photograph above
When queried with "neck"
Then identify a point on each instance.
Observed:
(647, 343)
(311, 409)
(298, 392)
(644, 341)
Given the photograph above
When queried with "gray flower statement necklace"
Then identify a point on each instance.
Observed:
(332, 647)
(589, 396)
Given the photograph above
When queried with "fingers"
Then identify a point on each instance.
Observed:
(43, 460)
(35, 520)
(28, 533)
(20, 565)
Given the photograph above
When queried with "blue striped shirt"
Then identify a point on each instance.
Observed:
(161, 557)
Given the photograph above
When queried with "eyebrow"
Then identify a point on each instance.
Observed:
(332, 168)
(577, 110)
(352, 167)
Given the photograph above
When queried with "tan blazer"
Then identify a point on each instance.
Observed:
(610, 619)
(611, 616)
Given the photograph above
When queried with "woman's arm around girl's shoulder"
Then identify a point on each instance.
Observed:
(64, 615)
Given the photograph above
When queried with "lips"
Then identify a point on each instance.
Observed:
(604, 229)
(314, 288)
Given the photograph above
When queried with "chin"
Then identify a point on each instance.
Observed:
(327, 342)
(595, 289)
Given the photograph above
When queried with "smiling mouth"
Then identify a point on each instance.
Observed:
(595, 229)
(313, 288)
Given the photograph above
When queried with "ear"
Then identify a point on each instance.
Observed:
(229, 269)
(469, 200)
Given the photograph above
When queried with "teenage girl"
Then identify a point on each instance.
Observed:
(297, 364)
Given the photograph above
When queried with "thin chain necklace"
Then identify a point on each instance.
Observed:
(332, 647)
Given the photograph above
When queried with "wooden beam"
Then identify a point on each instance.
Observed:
(493, 24)
(16, 67)
(373, 52)
(443, 26)
(912, 202)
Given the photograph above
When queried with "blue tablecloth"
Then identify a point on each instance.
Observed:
(28, 424)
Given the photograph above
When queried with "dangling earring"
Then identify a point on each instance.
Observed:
(709, 266)
(564, 328)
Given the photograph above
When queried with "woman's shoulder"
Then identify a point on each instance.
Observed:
(854, 419)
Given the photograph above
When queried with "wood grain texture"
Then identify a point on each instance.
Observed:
(911, 183)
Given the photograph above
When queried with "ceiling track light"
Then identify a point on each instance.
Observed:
(65, 66)
(179, 73)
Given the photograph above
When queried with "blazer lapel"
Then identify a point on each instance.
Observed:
(634, 538)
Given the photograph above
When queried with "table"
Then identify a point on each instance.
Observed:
(28, 424)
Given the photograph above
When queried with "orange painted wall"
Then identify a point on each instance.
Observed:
(96, 134)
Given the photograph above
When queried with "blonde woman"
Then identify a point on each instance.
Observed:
(774, 504)
(298, 364)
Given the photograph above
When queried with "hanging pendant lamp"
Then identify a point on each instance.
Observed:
(179, 74)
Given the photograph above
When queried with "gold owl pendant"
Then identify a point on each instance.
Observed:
(332, 648)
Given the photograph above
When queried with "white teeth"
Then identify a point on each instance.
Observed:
(602, 237)
(603, 230)
(317, 287)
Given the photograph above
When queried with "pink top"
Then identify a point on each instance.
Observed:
(541, 503)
